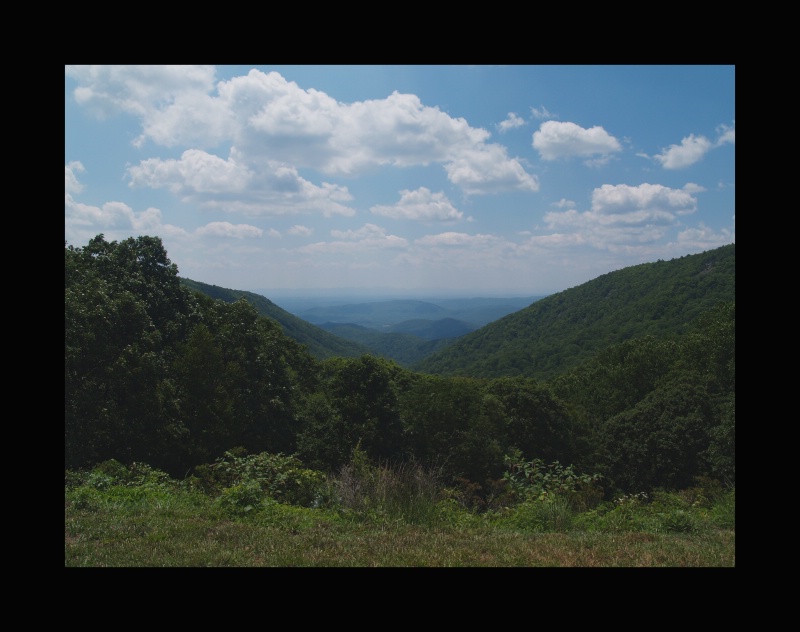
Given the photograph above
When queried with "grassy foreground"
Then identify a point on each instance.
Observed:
(165, 539)
(147, 520)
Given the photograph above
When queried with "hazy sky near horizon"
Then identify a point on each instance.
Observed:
(469, 180)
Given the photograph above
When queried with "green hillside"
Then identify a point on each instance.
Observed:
(162, 374)
(405, 349)
(564, 329)
(320, 343)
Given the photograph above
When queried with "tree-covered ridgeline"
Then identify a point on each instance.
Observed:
(560, 331)
(158, 373)
(319, 343)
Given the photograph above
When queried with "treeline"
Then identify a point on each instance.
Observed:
(160, 374)
(319, 343)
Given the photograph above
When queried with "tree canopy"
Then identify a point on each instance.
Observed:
(159, 373)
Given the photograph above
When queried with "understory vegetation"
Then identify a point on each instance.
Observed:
(268, 510)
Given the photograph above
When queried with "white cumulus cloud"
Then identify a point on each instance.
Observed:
(229, 185)
(489, 170)
(620, 199)
(226, 229)
(554, 140)
(266, 120)
(692, 148)
(420, 205)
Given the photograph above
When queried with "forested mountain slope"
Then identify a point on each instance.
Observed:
(320, 343)
(160, 374)
(562, 330)
(406, 342)
(404, 348)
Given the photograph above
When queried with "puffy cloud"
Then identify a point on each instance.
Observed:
(555, 140)
(71, 184)
(172, 102)
(268, 120)
(489, 170)
(421, 205)
(704, 238)
(512, 122)
(693, 148)
(228, 185)
(226, 229)
(619, 215)
(623, 199)
(727, 135)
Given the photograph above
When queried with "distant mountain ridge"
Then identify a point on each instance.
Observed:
(542, 339)
(433, 329)
(405, 342)
(383, 315)
(562, 330)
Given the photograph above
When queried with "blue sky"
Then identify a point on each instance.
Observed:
(408, 180)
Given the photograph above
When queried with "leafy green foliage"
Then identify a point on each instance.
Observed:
(540, 481)
(245, 479)
(548, 514)
(537, 422)
(124, 308)
(660, 442)
(356, 404)
(456, 424)
(158, 373)
(238, 500)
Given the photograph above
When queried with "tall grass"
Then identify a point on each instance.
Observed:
(406, 493)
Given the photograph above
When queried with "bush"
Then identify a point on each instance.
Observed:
(280, 477)
(547, 514)
(240, 499)
(537, 480)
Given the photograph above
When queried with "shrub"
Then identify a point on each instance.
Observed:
(548, 513)
(240, 499)
(281, 477)
(536, 480)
